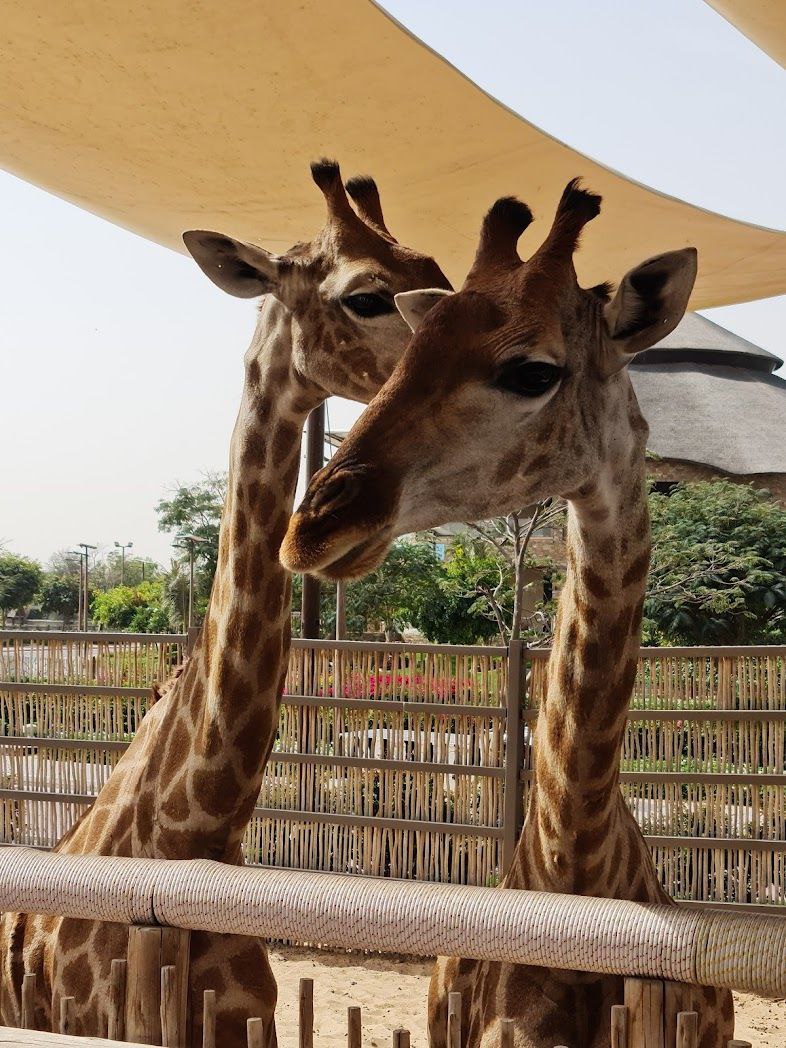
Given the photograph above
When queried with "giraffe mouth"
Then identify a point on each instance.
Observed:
(340, 557)
(360, 560)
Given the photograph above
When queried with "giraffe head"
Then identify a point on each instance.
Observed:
(338, 288)
(512, 390)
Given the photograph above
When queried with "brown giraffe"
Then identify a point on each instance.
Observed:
(187, 785)
(514, 390)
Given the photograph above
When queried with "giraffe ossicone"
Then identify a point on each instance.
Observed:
(513, 390)
(188, 784)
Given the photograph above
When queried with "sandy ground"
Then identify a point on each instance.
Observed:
(392, 992)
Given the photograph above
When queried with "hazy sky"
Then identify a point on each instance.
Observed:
(120, 367)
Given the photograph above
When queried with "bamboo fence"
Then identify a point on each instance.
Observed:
(414, 761)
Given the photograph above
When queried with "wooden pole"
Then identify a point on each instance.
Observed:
(170, 1017)
(507, 1028)
(511, 801)
(341, 609)
(28, 1001)
(143, 985)
(66, 1015)
(454, 1020)
(687, 1029)
(401, 1038)
(619, 1026)
(255, 1033)
(354, 1028)
(306, 1014)
(315, 459)
(117, 1001)
(740, 1044)
(209, 1019)
(644, 1001)
(176, 950)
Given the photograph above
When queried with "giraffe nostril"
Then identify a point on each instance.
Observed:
(335, 492)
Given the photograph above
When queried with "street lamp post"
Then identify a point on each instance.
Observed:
(190, 541)
(123, 546)
(85, 546)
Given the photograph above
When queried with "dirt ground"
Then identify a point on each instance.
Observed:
(392, 992)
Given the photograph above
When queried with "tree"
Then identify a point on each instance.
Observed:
(508, 538)
(196, 510)
(474, 596)
(137, 609)
(59, 595)
(20, 579)
(394, 594)
(718, 573)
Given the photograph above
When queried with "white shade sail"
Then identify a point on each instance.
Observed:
(165, 116)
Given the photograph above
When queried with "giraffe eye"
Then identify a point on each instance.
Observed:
(528, 378)
(366, 304)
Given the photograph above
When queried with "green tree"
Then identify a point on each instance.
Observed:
(196, 510)
(59, 595)
(474, 597)
(20, 579)
(718, 573)
(135, 609)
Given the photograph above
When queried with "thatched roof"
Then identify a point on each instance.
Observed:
(162, 116)
(710, 397)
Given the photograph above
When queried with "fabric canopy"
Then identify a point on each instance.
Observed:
(165, 116)
(762, 21)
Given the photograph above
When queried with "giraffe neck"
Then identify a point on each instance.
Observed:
(576, 807)
(227, 699)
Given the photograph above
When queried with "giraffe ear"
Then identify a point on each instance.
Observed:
(650, 302)
(239, 269)
(413, 305)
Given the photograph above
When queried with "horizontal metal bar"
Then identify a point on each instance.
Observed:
(47, 743)
(706, 778)
(401, 705)
(380, 822)
(698, 652)
(93, 636)
(49, 798)
(531, 714)
(393, 646)
(31, 688)
(405, 705)
(711, 843)
(383, 764)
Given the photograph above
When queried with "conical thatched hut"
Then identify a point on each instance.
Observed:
(714, 406)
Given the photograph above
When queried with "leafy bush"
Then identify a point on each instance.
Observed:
(135, 609)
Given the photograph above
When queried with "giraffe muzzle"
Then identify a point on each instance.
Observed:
(343, 527)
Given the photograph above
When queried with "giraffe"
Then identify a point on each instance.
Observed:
(187, 786)
(513, 390)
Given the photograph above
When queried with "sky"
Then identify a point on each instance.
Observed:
(121, 365)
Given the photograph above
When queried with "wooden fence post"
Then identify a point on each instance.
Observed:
(66, 1024)
(209, 1019)
(454, 1020)
(512, 800)
(151, 948)
(117, 1001)
(687, 1029)
(400, 1038)
(28, 1001)
(619, 1026)
(507, 1029)
(354, 1028)
(306, 1014)
(255, 1033)
(644, 1001)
